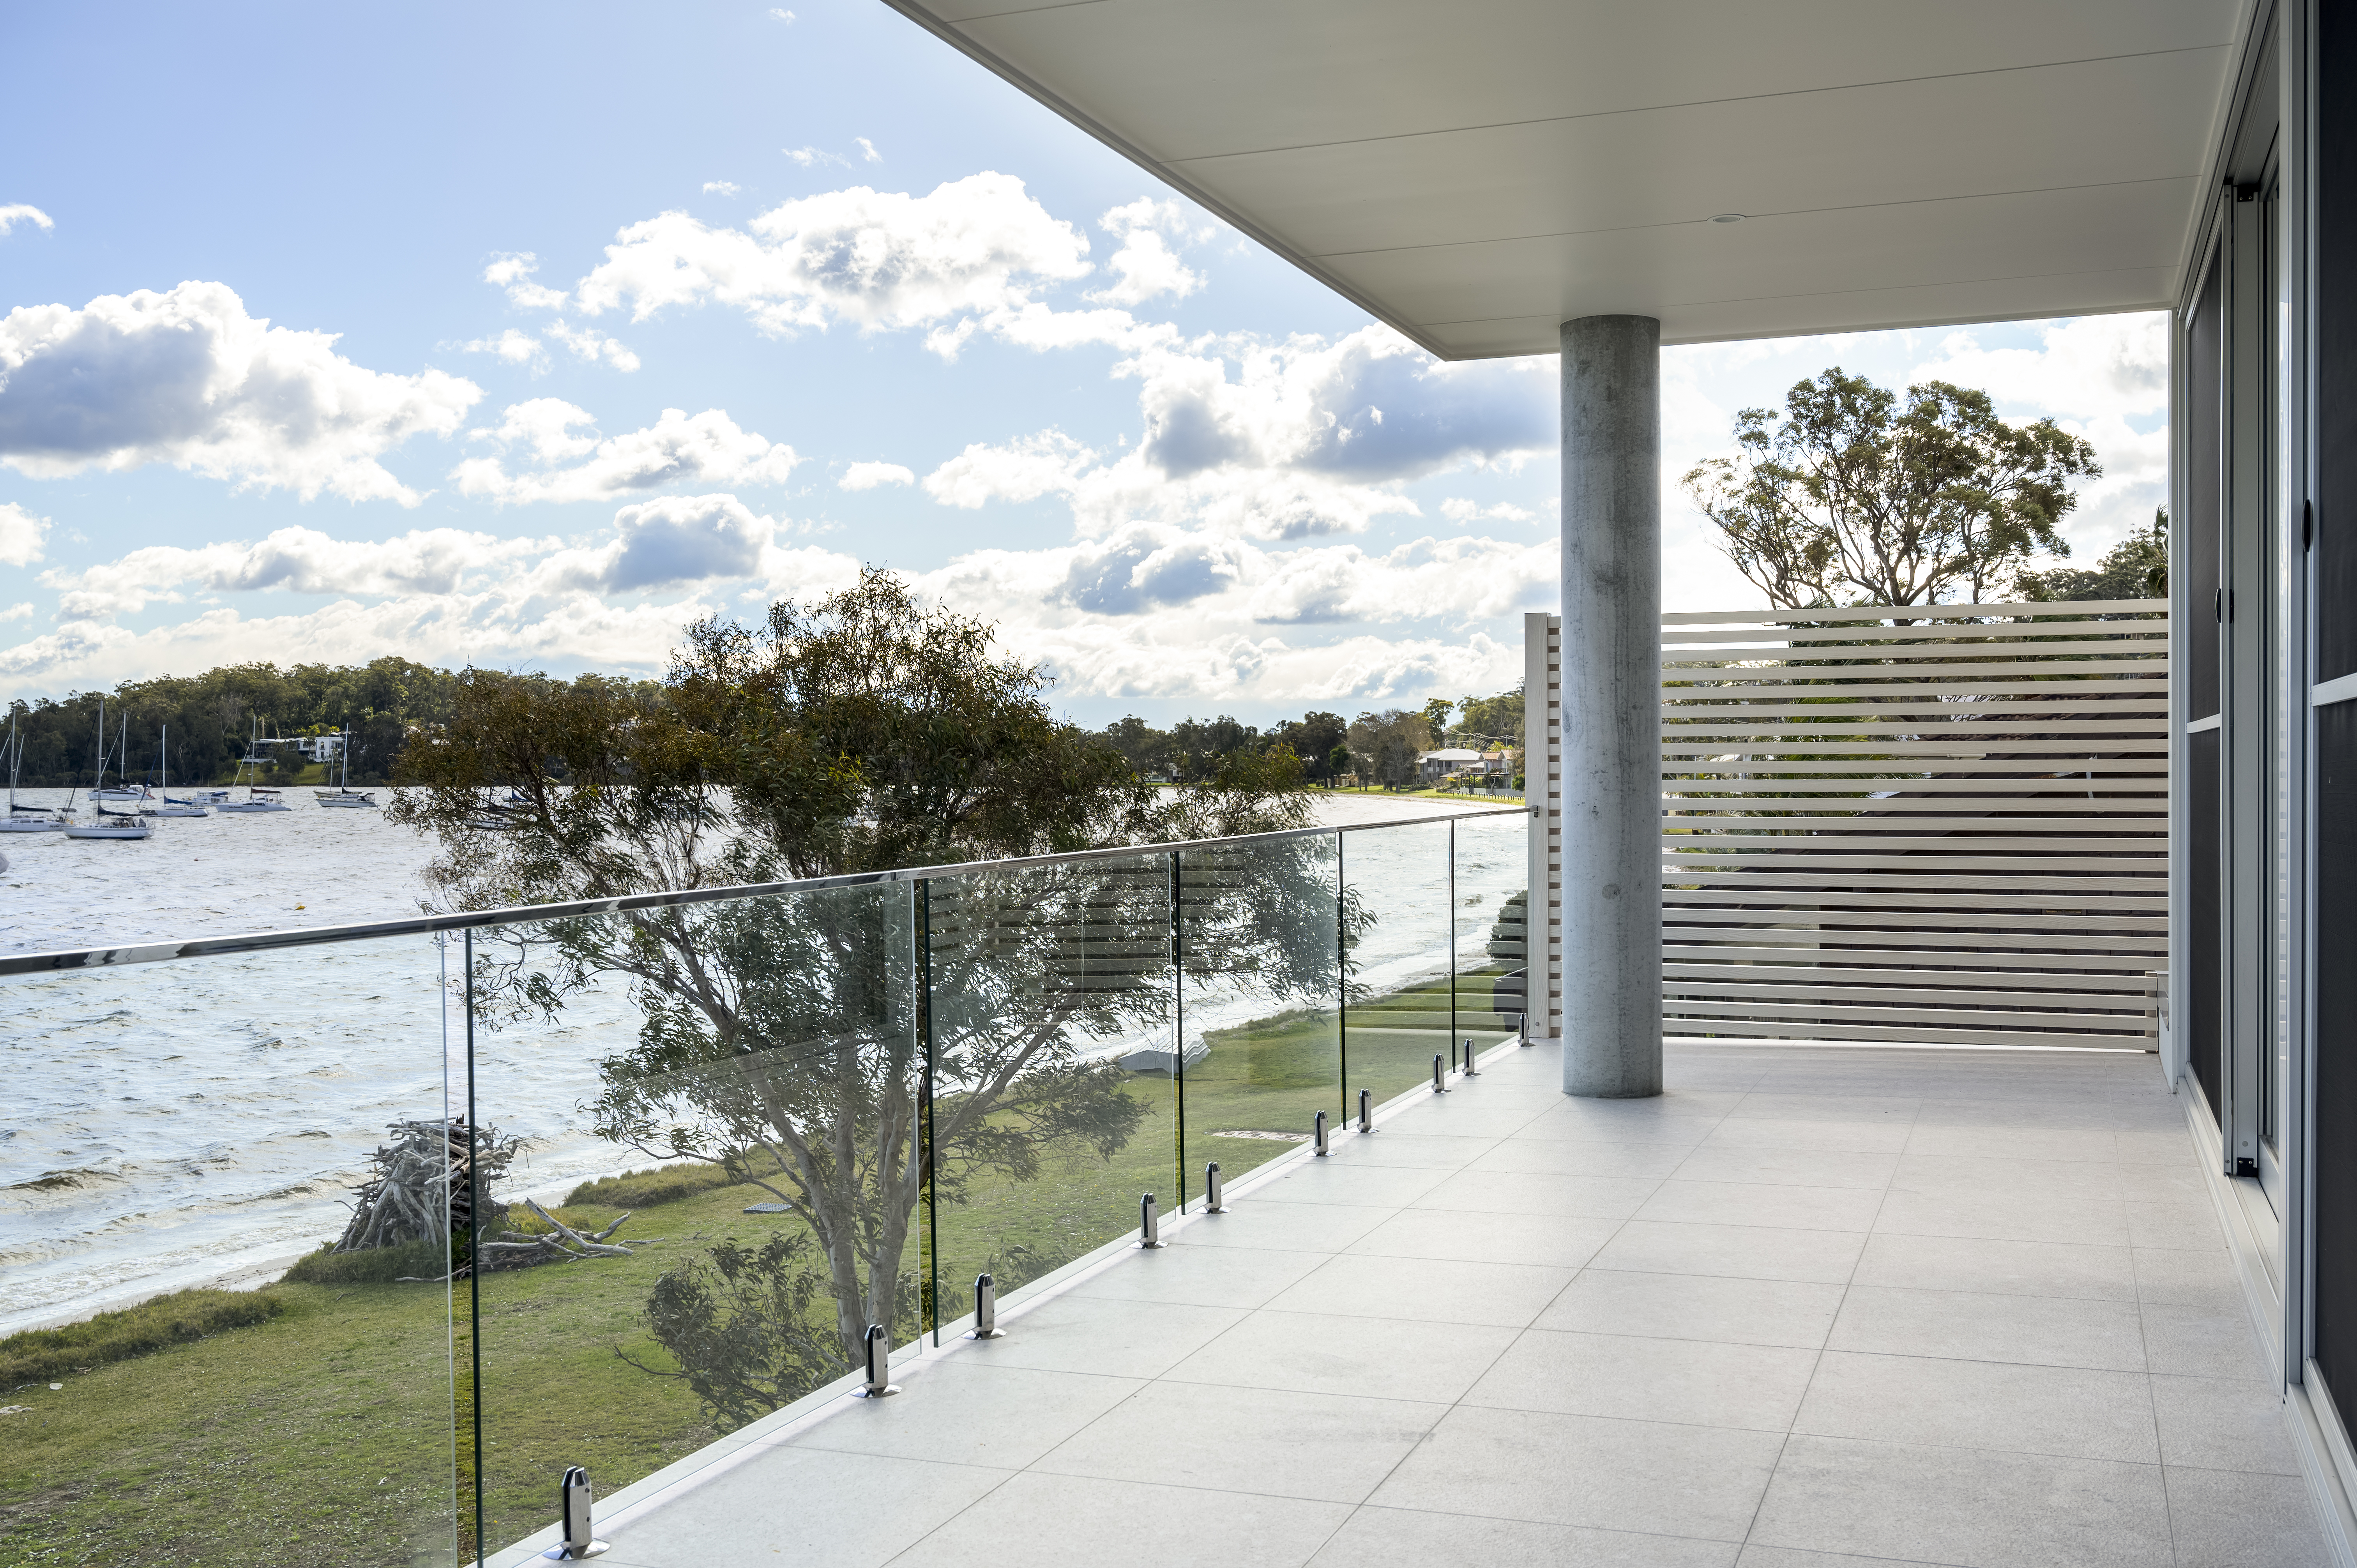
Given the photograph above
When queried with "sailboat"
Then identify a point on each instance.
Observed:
(344, 794)
(170, 807)
(257, 798)
(109, 824)
(24, 818)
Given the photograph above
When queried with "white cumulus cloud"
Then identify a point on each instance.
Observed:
(1145, 263)
(512, 272)
(297, 559)
(868, 152)
(16, 212)
(1462, 512)
(589, 343)
(21, 534)
(719, 188)
(188, 377)
(708, 448)
(515, 348)
(867, 476)
(872, 259)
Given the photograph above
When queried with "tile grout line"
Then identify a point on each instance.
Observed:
(1817, 1365)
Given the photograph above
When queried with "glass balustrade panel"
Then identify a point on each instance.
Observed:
(1051, 1035)
(1396, 967)
(1259, 967)
(701, 1181)
(225, 1331)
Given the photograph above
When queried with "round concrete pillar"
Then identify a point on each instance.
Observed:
(1611, 808)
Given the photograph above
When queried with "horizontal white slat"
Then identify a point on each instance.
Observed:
(1950, 767)
(1756, 671)
(1896, 836)
(1950, 949)
(1953, 1017)
(1830, 974)
(2102, 888)
(1945, 631)
(2077, 685)
(2044, 699)
(1835, 727)
(1732, 912)
(1728, 1029)
(2129, 909)
(1923, 612)
(1809, 818)
(2138, 643)
(1938, 745)
(1798, 991)
(1686, 866)
(2147, 794)
(1691, 796)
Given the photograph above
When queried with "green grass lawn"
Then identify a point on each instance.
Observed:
(323, 1433)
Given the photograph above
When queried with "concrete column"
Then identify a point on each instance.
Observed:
(1611, 809)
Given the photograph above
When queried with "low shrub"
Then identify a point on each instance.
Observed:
(37, 1355)
(644, 1189)
(373, 1266)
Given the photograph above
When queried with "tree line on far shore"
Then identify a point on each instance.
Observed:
(210, 716)
(1379, 747)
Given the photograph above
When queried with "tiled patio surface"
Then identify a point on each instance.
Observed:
(1811, 1306)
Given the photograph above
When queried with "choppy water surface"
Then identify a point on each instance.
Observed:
(168, 1124)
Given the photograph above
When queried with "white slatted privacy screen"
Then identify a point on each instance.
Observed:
(1940, 824)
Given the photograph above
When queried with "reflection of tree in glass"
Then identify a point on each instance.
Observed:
(783, 1035)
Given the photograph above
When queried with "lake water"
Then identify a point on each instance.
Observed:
(168, 1124)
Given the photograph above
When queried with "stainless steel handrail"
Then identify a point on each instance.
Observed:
(424, 925)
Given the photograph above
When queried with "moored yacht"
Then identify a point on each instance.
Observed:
(109, 824)
(24, 818)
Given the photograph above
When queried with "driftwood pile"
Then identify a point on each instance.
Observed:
(517, 1250)
(420, 1190)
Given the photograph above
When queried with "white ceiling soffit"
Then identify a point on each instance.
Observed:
(1477, 172)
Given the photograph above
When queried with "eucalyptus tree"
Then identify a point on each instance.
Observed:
(787, 1036)
(1850, 496)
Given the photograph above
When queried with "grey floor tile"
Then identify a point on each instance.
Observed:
(1382, 1357)
(2202, 1277)
(1826, 1104)
(1405, 1538)
(2203, 1342)
(1528, 1193)
(2003, 1216)
(1584, 1156)
(2174, 1222)
(1423, 1289)
(1471, 1112)
(1201, 1276)
(1648, 1478)
(2061, 1331)
(1472, 1237)
(1681, 1201)
(2011, 1175)
(1797, 1314)
(959, 1410)
(1744, 1251)
(1826, 1132)
(2228, 1520)
(1699, 1383)
(1395, 1147)
(1283, 1226)
(1786, 1557)
(2071, 1412)
(1794, 1167)
(1951, 1506)
(855, 1510)
(1112, 1339)
(1357, 1183)
(2219, 1423)
(1262, 1442)
(1073, 1521)
(2014, 1267)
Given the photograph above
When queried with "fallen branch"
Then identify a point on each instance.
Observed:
(519, 1249)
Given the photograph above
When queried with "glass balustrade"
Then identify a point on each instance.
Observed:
(463, 1203)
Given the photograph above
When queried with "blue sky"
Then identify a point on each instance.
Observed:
(517, 336)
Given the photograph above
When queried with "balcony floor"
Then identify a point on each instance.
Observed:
(1811, 1306)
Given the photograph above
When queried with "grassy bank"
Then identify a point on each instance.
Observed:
(323, 1433)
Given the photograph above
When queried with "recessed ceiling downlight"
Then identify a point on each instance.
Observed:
(1727, 216)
